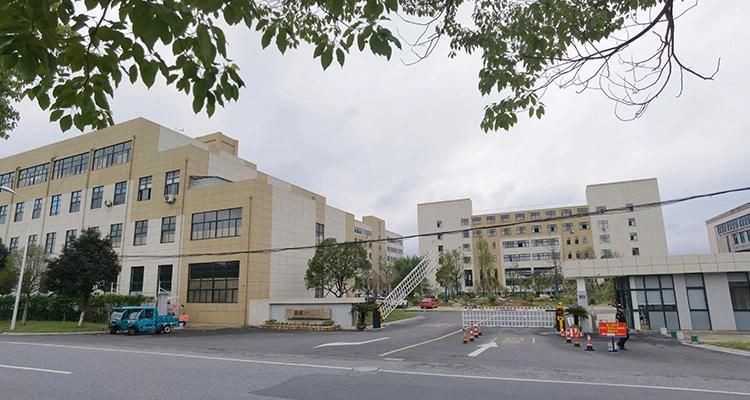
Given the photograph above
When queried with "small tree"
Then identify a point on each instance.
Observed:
(555, 262)
(539, 282)
(86, 264)
(401, 267)
(8, 270)
(483, 259)
(334, 267)
(451, 270)
(34, 277)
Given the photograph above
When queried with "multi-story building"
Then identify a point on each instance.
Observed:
(540, 240)
(729, 232)
(381, 254)
(186, 215)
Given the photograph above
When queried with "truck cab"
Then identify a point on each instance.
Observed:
(141, 319)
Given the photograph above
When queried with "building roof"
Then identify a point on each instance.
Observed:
(725, 214)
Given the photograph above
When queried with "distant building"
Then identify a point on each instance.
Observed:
(729, 232)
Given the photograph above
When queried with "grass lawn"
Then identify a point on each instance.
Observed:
(734, 345)
(51, 326)
(396, 315)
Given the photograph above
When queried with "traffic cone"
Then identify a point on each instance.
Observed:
(476, 332)
(577, 338)
(466, 336)
(567, 335)
(471, 334)
(479, 330)
(589, 343)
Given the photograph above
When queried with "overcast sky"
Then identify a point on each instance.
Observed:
(378, 137)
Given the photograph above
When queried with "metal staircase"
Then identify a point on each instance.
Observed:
(409, 283)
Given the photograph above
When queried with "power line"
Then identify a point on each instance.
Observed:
(619, 210)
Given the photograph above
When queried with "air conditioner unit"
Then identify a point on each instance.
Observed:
(169, 198)
(108, 203)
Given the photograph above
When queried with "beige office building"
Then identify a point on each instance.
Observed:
(185, 214)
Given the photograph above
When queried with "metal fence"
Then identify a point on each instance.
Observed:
(508, 317)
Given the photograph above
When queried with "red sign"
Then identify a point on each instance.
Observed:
(613, 329)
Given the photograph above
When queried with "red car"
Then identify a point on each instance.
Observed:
(428, 302)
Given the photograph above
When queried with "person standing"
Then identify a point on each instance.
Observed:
(620, 317)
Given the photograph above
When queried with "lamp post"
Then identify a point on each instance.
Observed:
(23, 260)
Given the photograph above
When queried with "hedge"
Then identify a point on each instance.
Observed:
(52, 307)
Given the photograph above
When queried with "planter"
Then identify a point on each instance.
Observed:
(299, 327)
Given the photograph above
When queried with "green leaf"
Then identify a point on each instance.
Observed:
(91, 4)
(540, 112)
(319, 50)
(148, 73)
(267, 36)
(326, 57)
(336, 7)
(55, 115)
(340, 56)
(207, 49)
(391, 5)
(133, 73)
(361, 41)
(198, 99)
(281, 41)
(65, 123)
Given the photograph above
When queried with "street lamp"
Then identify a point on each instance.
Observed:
(23, 261)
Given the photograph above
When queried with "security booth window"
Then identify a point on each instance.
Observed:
(739, 291)
(697, 302)
(654, 303)
(213, 282)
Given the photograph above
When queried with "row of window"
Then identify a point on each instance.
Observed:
(731, 225)
(606, 238)
(69, 166)
(163, 279)
(741, 237)
(518, 217)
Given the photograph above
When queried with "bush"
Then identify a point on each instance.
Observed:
(327, 322)
(52, 307)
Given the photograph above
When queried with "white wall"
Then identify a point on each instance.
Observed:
(450, 213)
(719, 302)
(335, 224)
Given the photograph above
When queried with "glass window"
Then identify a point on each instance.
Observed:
(3, 214)
(32, 240)
(666, 281)
(467, 247)
(697, 299)
(112, 155)
(464, 222)
(700, 320)
(673, 322)
(520, 230)
(651, 281)
(215, 282)
(69, 166)
(121, 189)
(136, 280)
(49, 242)
(566, 213)
(13, 244)
(33, 175)
(439, 224)
(168, 228)
(603, 225)
(668, 297)
(536, 229)
(739, 290)
(141, 233)
(18, 216)
(603, 238)
(476, 220)
(115, 234)
(631, 222)
(70, 235)
(534, 215)
(567, 227)
(694, 280)
(656, 318)
(165, 278)
(468, 277)
(97, 193)
(552, 228)
(584, 226)
(36, 212)
(490, 219)
(492, 232)
(582, 210)
(172, 183)
(551, 214)
(520, 217)
(636, 251)
(54, 205)
(465, 234)
(144, 188)
(6, 179)
(505, 218)
(216, 224)
(601, 209)
(75, 202)
(507, 232)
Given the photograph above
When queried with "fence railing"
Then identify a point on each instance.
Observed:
(508, 317)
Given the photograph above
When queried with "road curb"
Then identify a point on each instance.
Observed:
(50, 333)
(736, 352)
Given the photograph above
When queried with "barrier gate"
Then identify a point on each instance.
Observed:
(508, 317)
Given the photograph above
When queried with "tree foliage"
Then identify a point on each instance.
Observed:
(451, 270)
(35, 276)
(71, 55)
(401, 267)
(8, 270)
(86, 264)
(488, 282)
(334, 267)
(10, 92)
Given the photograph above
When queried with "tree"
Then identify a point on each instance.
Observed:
(578, 313)
(10, 92)
(34, 277)
(450, 271)
(71, 55)
(86, 264)
(513, 277)
(8, 270)
(556, 263)
(488, 283)
(539, 282)
(334, 267)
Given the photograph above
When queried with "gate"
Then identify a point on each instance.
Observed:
(508, 317)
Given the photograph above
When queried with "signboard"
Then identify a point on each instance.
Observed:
(308, 313)
(613, 329)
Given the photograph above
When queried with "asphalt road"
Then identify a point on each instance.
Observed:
(418, 359)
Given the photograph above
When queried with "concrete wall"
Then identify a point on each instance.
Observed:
(719, 302)
(450, 213)
(683, 308)
(340, 309)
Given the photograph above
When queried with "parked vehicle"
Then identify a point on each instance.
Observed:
(141, 319)
(428, 303)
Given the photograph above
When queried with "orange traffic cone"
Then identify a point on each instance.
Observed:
(479, 330)
(471, 334)
(567, 335)
(466, 336)
(589, 343)
(577, 338)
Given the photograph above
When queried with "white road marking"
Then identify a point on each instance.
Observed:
(483, 347)
(392, 359)
(50, 371)
(533, 340)
(411, 346)
(387, 371)
(350, 343)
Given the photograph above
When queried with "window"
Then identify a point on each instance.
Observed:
(440, 248)
(75, 201)
(141, 233)
(3, 214)
(18, 216)
(567, 241)
(464, 222)
(33, 175)
(551, 214)
(505, 218)
(584, 226)
(144, 188)
(70, 235)
(494, 245)
(568, 227)
(566, 213)
(629, 206)
(440, 236)
(490, 219)
(601, 209)
(468, 277)
(545, 242)
(169, 226)
(520, 230)
(115, 234)
(49, 242)
(633, 237)
(576, 240)
(607, 253)
(97, 193)
(32, 240)
(603, 225)
(697, 302)
(536, 229)
(320, 232)
(6, 179)
(476, 220)
(492, 232)
(112, 155)
(121, 189)
(631, 222)
(517, 257)
(636, 251)
(13, 243)
(136, 281)
(477, 233)
(172, 183)
(552, 228)
(54, 205)
(603, 238)
(164, 280)
(439, 224)
(520, 217)
(467, 260)
(216, 224)
(69, 166)
(534, 215)
(215, 282)
(582, 210)
(467, 247)
(739, 290)
(465, 234)
(36, 212)
(507, 232)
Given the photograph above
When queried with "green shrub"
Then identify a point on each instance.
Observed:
(327, 322)
(52, 307)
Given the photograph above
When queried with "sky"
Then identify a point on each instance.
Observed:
(377, 137)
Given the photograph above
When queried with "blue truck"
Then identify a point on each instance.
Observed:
(141, 319)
